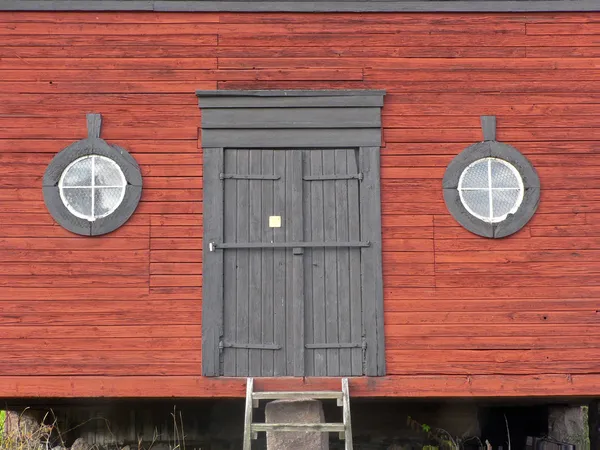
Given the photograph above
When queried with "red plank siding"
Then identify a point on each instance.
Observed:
(120, 315)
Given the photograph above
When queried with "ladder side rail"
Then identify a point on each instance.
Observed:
(248, 414)
(346, 414)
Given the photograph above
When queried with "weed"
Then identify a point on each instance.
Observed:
(22, 432)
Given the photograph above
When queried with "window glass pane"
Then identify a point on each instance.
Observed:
(79, 174)
(79, 200)
(478, 202)
(107, 173)
(505, 201)
(106, 200)
(476, 176)
(503, 176)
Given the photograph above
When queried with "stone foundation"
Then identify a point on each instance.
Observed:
(567, 424)
(296, 411)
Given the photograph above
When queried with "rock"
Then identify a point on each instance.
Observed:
(567, 424)
(80, 444)
(296, 411)
(21, 424)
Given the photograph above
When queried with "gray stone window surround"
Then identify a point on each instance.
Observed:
(490, 147)
(92, 145)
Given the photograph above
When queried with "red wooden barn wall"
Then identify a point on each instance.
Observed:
(120, 315)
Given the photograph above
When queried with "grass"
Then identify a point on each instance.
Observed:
(25, 433)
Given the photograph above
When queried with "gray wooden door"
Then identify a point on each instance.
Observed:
(291, 263)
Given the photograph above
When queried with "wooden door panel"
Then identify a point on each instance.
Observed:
(254, 279)
(333, 292)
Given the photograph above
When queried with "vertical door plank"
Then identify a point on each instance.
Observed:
(279, 262)
(356, 327)
(371, 265)
(267, 265)
(255, 298)
(230, 263)
(212, 294)
(331, 282)
(343, 261)
(309, 335)
(318, 261)
(289, 275)
(298, 263)
(242, 276)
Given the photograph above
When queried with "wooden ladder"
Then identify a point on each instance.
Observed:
(342, 397)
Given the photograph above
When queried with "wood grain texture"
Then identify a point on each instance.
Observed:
(464, 316)
(542, 385)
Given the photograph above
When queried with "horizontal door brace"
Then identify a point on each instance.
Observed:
(250, 346)
(245, 245)
(339, 345)
(235, 176)
(355, 176)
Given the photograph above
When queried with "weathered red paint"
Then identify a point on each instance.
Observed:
(120, 315)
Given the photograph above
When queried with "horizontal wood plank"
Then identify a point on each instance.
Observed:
(140, 317)
(409, 386)
(102, 344)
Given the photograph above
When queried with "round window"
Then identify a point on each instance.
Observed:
(92, 187)
(491, 189)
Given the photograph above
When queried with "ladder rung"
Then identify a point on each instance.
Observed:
(321, 427)
(251, 429)
(322, 395)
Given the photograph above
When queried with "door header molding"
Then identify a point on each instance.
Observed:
(291, 118)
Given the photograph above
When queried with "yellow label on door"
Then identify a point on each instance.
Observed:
(274, 221)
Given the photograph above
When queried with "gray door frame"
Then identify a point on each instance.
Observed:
(284, 120)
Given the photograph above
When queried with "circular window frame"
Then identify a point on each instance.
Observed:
(513, 222)
(93, 145)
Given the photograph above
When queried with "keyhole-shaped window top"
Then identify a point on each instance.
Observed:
(92, 187)
(491, 188)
